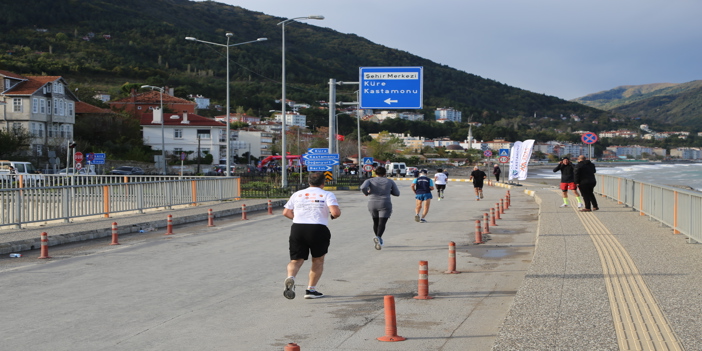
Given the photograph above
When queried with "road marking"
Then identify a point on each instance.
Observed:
(639, 323)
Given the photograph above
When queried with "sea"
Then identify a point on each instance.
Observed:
(674, 174)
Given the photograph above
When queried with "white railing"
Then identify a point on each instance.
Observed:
(679, 209)
(19, 206)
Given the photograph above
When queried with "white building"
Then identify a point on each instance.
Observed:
(201, 102)
(260, 142)
(448, 114)
(292, 119)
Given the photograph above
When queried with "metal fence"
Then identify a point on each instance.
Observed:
(676, 208)
(23, 205)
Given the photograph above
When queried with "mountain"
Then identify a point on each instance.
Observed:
(99, 45)
(670, 103)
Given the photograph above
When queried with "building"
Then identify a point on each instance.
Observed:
(138, 103)
(238, 117)
(291, 119)
(448, 114)
(41, 105)
(686, 153)
(259, 142)
(201, 102)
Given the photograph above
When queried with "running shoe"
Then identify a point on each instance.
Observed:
(585, 210)
(481, 195)
(564, 205)
(313, 294)
(439, 198)
(416, 218)
(381, 241)
(289, 292)
(477, 198)
(376, 240)
(595, 208)
(580, 205)
(422, 220)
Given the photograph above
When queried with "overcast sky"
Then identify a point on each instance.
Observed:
(564, 48)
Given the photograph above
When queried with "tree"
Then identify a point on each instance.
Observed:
(13, 143)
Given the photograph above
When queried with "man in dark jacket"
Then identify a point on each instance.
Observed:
(584, 176)
(567, 181)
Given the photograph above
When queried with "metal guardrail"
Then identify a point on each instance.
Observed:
(676, 208)
(24, 205)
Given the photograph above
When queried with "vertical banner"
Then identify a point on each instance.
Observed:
(514, 160)
(525, 155)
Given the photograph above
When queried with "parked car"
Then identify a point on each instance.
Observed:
(81, 171)
(127, 170)
(10, 170)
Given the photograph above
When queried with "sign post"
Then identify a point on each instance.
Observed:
(589, 139)
(391, 87)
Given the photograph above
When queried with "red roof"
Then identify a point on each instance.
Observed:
(82, 107)
(195, 120)
(154, 97)
(30, 86)
(11, 75)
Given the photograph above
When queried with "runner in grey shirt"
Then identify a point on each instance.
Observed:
(379, 205)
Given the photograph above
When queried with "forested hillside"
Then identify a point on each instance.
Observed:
(99, 45)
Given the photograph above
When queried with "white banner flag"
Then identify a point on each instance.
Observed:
(514, 160)
(524, 157)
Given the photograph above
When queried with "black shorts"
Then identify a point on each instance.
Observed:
(478, 185)
(308, 238)
(440, 186)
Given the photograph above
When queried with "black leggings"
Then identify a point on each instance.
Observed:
(587, 191)
(379, 226)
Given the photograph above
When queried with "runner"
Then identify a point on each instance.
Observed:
(440, 179)
(422, 188)
(567, 181)
(477, 176)
(379, 205)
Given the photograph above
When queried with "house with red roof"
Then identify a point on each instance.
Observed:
(41, 105)
(138, 103)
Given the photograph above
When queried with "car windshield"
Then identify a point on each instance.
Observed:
(124, 168)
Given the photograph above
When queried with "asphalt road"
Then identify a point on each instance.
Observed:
(220, 288)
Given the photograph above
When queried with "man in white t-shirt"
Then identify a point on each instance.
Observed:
(310, 210)
(440, 179)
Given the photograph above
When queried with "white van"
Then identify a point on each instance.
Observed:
(396, 168)
(25, 169)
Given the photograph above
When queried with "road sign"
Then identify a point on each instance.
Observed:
(99, 159)
(319, 168)
(504, 152)
(78, 166)
(308, 157)
(589, 138)
(504, 159)
(182, 156)
(483, 147)
(89, 156)
(391, 87)
(78, 156)
(318, 150)
(368, 161)
(327, 162)
(329, 176)
(368, 168)
(487, 153)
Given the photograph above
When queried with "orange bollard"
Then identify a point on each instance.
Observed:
(478, 234)
(492, 217)
(210, 218)
(291, 347)
(502, 206)
(486, 230)
(44, 245)
(243, 213)
(452, 259)
(115, 236)
(390, 321)
(423, 284)
(497, 210)
(508, 200)
(169, 225)
(270, 207)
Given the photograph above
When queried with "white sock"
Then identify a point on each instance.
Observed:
(311, 288)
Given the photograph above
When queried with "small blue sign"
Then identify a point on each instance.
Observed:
(391, 87)
(318, 150)
(367, 160)
(319, 168)
(308, 157)
(589, 138)
(90, 157)
(322, 162)
(504, 152)
(99, 159)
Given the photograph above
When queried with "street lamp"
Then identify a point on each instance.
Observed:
(227, 45)
(163, 143)
(283, 102)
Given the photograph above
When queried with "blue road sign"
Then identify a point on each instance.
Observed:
(391, 87)
(99, 159)
(504, 152)
(487, 153)
(322, 162)
(319, 168)
(589, 138)
(367, 160)
(308, 157)
(318, 150)
(90, 157)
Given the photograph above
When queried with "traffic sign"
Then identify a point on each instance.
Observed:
(319, 168)
(318, 150)
(327, 162)
(483, 147)
(589, 138)
(89, 156)
(504, 159)
(391, 87)
(182, 156)
(368, 161)
(504, 152)
(99, 159)
(78, 156)
(368, 168)
(308, 157)
(78, 166)
(487, 153)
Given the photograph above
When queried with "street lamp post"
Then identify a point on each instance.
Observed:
(227, 45)
(163, 143)
(284, 174)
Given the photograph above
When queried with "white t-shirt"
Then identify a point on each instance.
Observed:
(440, 179)
(310, 206)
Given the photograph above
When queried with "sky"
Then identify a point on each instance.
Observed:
(563, 48)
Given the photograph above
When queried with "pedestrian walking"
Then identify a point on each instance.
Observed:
(440, 180)
(422, 187)
(310, 210)
(379, 204)
(567, 181)
(584, 177)
(477, 176)
(496, 171)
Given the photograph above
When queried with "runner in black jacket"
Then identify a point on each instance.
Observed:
(567, 181)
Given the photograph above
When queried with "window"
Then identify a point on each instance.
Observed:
(69, 131)
(138, 107)
(61, 104)
(17, 105)
(42, 106)
(35, 105)
(37, 149)
(203, 134)
(177, 134)
(17, 128)
(70, 109)
(7, 84)
(48, 106)
(56, 108)
(204, 152)
(33, 129)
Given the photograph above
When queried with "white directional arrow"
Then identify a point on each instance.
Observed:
(389, 101)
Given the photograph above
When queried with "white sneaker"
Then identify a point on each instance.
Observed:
(580, 205)
(564, 205)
